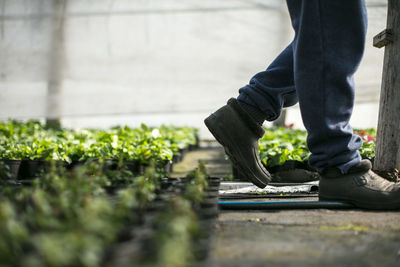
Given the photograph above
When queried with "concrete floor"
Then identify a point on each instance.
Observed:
(307, 238)
(314, 237)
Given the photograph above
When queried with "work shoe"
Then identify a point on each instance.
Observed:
(238, 133)
(360, 186)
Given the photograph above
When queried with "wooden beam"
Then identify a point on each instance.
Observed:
(387, 154)
(56, 65)
(383, 38)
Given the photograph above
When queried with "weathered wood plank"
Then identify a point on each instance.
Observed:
(56, 65)
(388, 135)
(383, 38)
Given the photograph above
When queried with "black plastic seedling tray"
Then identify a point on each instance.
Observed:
(139, 236)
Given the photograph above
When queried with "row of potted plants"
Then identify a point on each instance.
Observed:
(280, 145)
(28, 146)
(181, 228)
(68, 217)
(79, 208)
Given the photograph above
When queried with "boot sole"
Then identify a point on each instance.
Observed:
(229, 146)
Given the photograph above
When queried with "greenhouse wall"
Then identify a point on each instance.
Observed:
(104, 62)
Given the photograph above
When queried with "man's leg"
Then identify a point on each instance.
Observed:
(328, 48)
(272, 89)
(237, 126)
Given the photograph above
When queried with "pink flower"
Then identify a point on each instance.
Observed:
(368, 138)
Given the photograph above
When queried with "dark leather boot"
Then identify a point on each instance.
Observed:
(238, 133)
(361, 187)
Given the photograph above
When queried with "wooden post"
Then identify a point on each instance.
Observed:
(387, 153)
(56, 64)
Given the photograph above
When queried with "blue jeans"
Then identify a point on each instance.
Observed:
(316, 70)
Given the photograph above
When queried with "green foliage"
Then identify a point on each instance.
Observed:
(196, 184)
(4, 172)
(281, 144)
(66, 218)
(174, 239)
(178, 225)
(368, 147)
(31, 140)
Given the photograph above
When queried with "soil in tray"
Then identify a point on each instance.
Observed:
(13, 167)
(135, 166)
(141, 236)
(30, 169)
(180, 155)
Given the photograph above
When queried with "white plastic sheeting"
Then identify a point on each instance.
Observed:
(169, 61)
